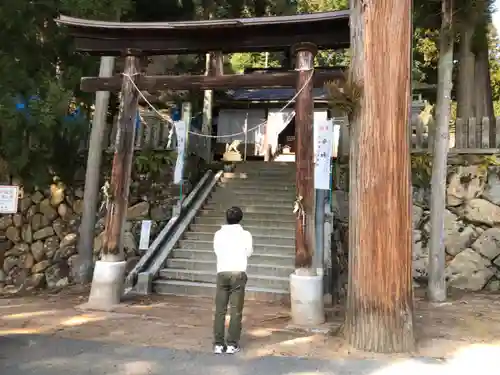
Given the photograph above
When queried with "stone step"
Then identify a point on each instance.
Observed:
(290, 194)
(268, 216)
(211, 266)
(275, 240)
(249, 207)
(250, 184)
(288, 176)
(247, 221)
(252, 210)
(278, 259)
(257, 247)
(244, 176)
(264, 166)
(190, 288)
(254, 230)
(253, 165)
(258, 185)
(258, 281)
(226, 195)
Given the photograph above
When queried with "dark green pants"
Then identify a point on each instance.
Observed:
(230, 290)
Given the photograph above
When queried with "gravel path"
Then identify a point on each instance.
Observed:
(46, 355)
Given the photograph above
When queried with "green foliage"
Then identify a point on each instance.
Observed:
(494, 50)
(37, 60)
(151, 162)
(421, 170)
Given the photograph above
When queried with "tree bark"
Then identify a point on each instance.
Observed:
(122, 165)
(466, 71)
(379, 315)
(437, 282)
(483, 92)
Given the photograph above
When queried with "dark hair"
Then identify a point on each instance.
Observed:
(234, 215)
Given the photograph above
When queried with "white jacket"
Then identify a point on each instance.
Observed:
(232, 245)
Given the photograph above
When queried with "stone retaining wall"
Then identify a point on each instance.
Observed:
(472, 228)
(38, 244)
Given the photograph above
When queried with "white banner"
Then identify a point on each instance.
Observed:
(323, 147)
(145, 235)
(180, 132)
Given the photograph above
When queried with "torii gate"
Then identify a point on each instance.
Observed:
(302, 34)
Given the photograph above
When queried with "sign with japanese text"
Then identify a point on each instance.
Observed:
(323, 148)
(8, 199)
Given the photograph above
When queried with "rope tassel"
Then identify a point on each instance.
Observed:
(298, 209)
(170, 121)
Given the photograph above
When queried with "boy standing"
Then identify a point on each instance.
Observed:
(232, 246)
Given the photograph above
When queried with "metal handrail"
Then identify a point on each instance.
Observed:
(131, 279)
(182, 226)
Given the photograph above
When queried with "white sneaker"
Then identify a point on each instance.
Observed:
(218, 349)
(231, 349)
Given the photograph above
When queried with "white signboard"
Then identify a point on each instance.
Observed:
(8, 199)
(180, 132)
(145, 235)
(323, 147)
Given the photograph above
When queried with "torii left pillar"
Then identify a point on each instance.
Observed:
(306, 285)
(109, 272)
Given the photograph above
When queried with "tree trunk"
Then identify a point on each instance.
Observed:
(466, 92)
(437, 281)
(483, 96)
(379, 314)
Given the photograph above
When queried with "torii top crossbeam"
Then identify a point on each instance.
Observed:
(327, 30)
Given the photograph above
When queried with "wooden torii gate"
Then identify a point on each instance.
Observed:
(302, 35)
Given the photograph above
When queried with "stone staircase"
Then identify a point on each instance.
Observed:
(266, 193)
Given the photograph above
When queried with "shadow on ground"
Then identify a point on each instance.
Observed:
(44, 355)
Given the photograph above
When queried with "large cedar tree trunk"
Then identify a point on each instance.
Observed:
(483, 93)
(379, 315)
(466, 69)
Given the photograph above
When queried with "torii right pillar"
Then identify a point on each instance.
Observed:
(304, 155)
(306, 284)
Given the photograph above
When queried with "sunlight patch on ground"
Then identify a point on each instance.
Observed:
(466, 359)
(409, 366)
(138, 368)
(279, 347)
(11, 306)
(30, 314)
(260, 332)
(20, 331)
(81, 319)
(298, 341)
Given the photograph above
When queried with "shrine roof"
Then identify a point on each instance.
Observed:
(325, 29)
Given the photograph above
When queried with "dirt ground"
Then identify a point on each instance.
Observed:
(185, 323)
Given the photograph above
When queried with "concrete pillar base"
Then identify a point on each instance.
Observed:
(306, 296)
(107, 285)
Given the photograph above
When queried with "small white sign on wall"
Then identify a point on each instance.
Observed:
(8, 199)
(145, 235)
